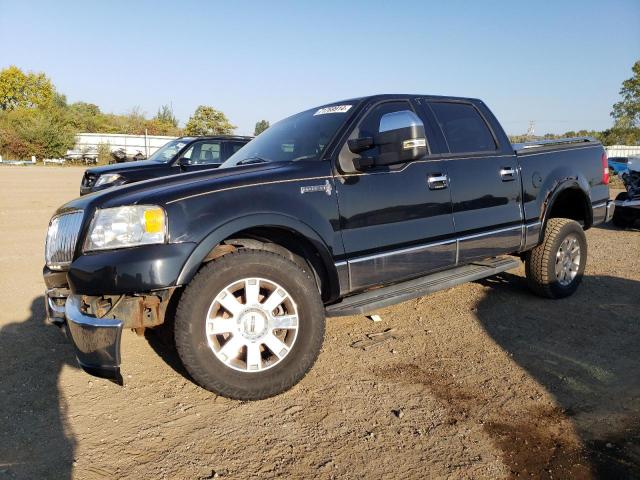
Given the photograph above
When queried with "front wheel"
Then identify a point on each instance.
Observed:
(555, 267)
(250, 325)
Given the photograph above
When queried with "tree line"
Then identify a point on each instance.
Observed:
(36, 119)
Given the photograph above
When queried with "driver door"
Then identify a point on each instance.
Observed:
(202, 156)
(396, 221)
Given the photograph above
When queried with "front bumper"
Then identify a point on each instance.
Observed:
(96, 340)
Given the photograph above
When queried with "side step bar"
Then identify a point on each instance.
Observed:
(385, 296)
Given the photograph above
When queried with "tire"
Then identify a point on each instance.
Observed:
(622, 217)
(541, 262)
(202, 314)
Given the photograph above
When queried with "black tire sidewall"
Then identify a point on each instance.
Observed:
(191, 337)
(558, 290)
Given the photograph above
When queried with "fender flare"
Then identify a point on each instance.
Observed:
(575, 183)
(229, 229)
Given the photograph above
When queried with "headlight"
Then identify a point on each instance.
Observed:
(106, 179)
(126, 227)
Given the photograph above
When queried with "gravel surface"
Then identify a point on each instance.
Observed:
(484, 380)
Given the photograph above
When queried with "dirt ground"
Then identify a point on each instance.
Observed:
(484, 380)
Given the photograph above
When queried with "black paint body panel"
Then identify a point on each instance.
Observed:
(369, 228)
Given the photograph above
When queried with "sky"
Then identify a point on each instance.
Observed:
(557, 63)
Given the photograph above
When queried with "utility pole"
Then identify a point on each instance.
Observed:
(531, 131)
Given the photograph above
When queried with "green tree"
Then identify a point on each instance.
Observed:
(208, 121)
(626, 112)
(165, 115)
(85, 117)
(25, 90)
(261, 126)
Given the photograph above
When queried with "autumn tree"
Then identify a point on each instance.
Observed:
(261, 126)
(207, 120)
(44, 133)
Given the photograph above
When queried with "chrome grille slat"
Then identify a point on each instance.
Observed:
(62, 237)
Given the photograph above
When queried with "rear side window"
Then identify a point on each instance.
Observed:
(463, 127)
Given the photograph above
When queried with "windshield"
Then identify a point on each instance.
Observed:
(303, 136)
(169, 150)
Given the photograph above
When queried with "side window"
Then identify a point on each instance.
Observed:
(236, 146)
(204, 153)
(463, 127)
(382, 118)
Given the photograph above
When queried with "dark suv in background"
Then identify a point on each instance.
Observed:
(184, 154)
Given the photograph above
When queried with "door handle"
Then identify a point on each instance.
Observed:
(437, 182)
(508, 174)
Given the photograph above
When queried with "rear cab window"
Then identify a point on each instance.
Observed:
(464, 129)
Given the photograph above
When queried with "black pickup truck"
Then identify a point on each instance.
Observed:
(338, 210)
(184, 154)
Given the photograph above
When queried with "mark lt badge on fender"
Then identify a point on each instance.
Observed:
(326, 188)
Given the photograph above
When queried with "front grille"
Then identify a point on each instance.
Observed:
(62, 237)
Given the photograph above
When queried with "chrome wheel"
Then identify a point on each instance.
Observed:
(568, 260)
(252, 324)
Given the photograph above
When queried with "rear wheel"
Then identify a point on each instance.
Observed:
(555, 267)
(250, 325)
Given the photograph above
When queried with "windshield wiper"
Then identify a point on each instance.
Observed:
(253, 159)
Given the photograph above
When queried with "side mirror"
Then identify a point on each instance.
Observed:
(183, 162)
(401, 145)
(358, 145)
(395, 146)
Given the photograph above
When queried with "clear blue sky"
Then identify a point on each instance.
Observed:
(559, 63)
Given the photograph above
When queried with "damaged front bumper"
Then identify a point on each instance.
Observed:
(94, 324)
(95, 340)
(629, 203)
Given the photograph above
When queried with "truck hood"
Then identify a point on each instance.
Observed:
(163, 189)
(123, 167)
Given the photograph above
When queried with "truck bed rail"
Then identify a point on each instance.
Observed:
(526, 147)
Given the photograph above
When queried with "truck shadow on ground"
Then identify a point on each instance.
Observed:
(35, 440)
(585, 351)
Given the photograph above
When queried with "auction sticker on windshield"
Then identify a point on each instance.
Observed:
(333, 109)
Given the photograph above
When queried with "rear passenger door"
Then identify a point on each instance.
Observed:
(484, 181)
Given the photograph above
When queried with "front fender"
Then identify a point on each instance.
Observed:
(229, 229)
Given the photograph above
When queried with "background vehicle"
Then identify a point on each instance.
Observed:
(618, 165)
(627, 210)
(87, 156)
(337, 210)
(119, 155)
(185, 154)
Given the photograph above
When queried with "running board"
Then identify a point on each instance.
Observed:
(385, 296)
